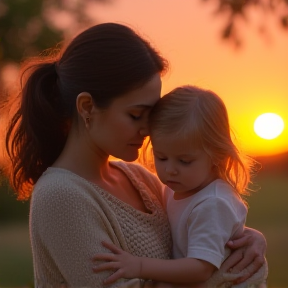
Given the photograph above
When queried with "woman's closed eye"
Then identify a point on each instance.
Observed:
(135, 117)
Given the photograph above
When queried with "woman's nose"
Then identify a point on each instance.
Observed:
(144, 128)
(144, 132)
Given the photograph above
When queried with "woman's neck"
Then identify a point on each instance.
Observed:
(83, 159)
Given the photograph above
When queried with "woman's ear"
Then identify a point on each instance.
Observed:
(84, 105)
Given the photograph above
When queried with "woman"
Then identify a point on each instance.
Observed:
(77, 108)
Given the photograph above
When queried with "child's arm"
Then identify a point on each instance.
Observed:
(125, 265)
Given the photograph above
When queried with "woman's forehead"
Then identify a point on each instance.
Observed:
(142, 97)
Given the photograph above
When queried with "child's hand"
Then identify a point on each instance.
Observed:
(124, 264)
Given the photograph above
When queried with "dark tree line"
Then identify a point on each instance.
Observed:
(26, 30)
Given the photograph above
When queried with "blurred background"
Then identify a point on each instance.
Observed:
(236, 48)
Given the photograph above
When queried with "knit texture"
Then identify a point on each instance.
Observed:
(70, 216)
(222, 279)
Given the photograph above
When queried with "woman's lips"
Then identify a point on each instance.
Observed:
(138, 146)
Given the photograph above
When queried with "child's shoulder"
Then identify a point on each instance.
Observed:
(223, 192)
(220, 189)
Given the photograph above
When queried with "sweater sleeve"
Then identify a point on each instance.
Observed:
(67, 226)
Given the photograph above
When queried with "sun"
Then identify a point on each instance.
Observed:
(268, 125)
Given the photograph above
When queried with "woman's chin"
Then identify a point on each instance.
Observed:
(128, 158)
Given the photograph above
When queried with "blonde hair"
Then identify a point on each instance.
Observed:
(200, 117)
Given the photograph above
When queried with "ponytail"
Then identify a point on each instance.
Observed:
(105, 60)
(38, 130)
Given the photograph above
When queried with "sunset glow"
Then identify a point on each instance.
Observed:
(268, 126)
(250, 80)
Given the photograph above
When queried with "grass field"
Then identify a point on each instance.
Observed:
(15, 256)
(268, 213)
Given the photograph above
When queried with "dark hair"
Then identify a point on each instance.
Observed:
(105, 60)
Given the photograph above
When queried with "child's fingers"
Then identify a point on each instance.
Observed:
(105, 266)
(113, 248)
(105, 257)
(114, 277)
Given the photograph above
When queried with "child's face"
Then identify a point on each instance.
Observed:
(181, 168)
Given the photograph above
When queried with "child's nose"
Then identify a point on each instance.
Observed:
(171, 170)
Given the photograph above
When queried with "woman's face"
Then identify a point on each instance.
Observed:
(121, 129)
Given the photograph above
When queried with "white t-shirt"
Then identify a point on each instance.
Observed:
(203, 223)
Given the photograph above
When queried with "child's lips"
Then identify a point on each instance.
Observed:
(172, 182)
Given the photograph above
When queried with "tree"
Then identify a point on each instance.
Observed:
(236, 11)
(27, 26)
(23, 30)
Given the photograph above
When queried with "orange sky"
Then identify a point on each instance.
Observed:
(252, 81)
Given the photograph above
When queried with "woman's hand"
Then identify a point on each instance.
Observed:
(249, 254)
(123, 263)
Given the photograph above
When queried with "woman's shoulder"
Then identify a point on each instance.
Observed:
(58, 183)
(56, 177)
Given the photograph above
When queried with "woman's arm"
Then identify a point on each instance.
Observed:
(249, 254)
(125, 265)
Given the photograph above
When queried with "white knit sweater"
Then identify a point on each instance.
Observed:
(70, 216)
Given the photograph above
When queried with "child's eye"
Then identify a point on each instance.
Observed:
(186, 162)
(160, 158)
